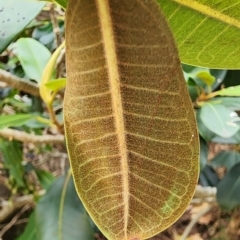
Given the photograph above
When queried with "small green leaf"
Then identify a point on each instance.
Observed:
(61, 215)
(228, 190)
(219, 120)
(230, 91)
(33, 57)
(16, 120)
(12, 153)
(45, 178)
(30, 230)
(206, 77)
(14, 17)
(226, 158)
(56, 84)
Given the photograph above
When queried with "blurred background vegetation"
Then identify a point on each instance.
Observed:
(37, 195)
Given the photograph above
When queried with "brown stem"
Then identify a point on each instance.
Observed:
(26, 137)
(19, 83)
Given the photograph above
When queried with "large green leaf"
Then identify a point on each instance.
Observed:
(14, 17)
(33, 56)
(207, 32)
(60, 215)
(228, 190)
(12, 153)
(128, 118)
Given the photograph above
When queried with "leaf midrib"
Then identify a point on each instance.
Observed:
(114, 82)
(209, 12)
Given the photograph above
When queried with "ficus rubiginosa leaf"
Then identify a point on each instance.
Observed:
(130, 127)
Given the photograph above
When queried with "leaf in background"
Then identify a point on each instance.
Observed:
(60, 215)
(45, 178)
(232, 103)
(228, 189)
(235, 139)
(128, 118)
(206, 77)
(56, 84)
(205, 133)
(62, 3)
(14, 17)
(226, 158)
(208, 177)
(33, 57)
(15, 120)
(203, 153)
(47, 75)
(231, 92)
(218, 119)
(206, 32)
(30, 230)
(12, 153)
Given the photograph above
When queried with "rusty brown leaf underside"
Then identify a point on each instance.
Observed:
(130, 127)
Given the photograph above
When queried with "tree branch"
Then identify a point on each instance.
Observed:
(19, 83)
(8, 207)
(26, 137)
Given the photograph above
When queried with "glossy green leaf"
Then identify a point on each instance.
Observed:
(206, 32)
(226, 158)
(56, 84)
(228, 190)
(12, 153)
(30, 230)
(33, 57)
(14, 17)
(60, 215)
(219, 120)
(15, 120)
(45, 178)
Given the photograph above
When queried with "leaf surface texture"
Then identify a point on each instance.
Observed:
(130, 127)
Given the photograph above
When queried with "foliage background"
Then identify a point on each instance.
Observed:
(38, 198)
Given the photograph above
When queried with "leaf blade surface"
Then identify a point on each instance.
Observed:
(128, 118)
